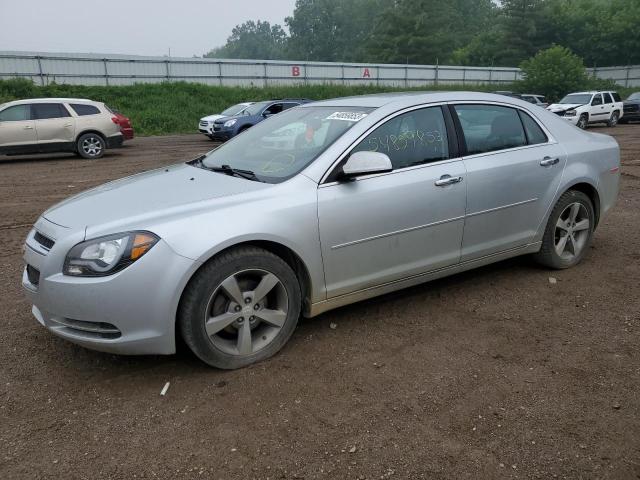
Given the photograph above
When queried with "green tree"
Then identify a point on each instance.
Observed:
(258, 40)
(426, 31)
(554, 72)
(331, 30)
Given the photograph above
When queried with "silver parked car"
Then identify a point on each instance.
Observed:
(321, 206)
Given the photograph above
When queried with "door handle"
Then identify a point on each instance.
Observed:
(68, 124)
(548, 161)
(28, 127)
(447, 180)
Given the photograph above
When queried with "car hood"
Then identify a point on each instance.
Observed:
(555, 107)
(631, 102)
(211, 118)
(147, 195)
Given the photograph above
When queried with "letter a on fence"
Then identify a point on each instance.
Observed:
(366, 73)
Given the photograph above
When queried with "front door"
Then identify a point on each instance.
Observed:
(385, 227)
(513, 174)
(54, 125)
(17, 130)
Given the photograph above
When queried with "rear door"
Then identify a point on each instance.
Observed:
(54, 125)
(385, 227)
(608, 104)
(513, 173)
(17, 130)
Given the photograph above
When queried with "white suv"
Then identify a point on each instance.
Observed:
(46, 125)
(584, 108)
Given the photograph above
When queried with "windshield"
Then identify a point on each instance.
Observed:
(256, 108)
(280, 147)
(235, 110)
(580, 98)
(634, 96)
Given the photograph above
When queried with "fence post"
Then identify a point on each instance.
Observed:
(220, 72)
(106, 72)
(166, 63)
(490, 75)
(378, 75)
(344, 80)
(40, 70)
(464, 75)
(264, 66)
(406, 76)
(437, 75)
(626, 82)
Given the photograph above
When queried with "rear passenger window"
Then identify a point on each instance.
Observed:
(488, 128)
(607, 98)
(535, 135)
(410, 139)
(16, 113)
(83, 110)
(43, 111)
(616, 97)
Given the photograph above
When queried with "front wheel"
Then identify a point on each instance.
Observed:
(240, 308)
(583, 121)
(569, 231)
(613, 121)
(91, 146)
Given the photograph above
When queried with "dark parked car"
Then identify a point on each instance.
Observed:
(631, 108)
(228, 127)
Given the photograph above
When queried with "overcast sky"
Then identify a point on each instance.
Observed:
(140, 27)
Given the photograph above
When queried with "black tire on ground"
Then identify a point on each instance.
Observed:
(583, 121)
(91, 146)
(613, 120)
(195, 304)
(548, 255)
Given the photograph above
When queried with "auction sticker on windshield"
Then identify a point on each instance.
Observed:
(347, 116)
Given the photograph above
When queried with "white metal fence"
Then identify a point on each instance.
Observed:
(96, 69)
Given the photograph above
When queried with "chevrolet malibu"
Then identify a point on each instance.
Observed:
(321, 206)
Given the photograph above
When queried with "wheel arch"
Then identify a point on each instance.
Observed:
(590, 191)
(91, 130)
(286, 253)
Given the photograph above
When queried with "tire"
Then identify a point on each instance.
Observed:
(583, 121)
(227, 334)
(613, 121)
(565, 246)
(91, 146)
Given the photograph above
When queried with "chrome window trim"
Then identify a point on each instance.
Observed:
(551, 140)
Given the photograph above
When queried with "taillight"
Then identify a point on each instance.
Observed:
(115, 120)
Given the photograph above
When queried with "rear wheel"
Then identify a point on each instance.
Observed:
(613, 121)
(569, 231)
(91, 146)
(583, 121)
(240, 308)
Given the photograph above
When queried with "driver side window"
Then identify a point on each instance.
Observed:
(273, 109)
(597, 100)
(413, 138)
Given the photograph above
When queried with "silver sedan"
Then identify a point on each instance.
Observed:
(318, 207)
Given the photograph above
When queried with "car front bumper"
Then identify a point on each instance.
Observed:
(130, 312)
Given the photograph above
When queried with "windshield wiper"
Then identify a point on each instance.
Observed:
(238, 172)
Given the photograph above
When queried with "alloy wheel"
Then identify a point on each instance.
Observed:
(92, 146)
(246, 312)
(572, 231)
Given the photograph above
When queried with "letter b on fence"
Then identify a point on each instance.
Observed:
(295, 71)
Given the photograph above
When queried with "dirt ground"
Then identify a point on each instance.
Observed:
(494, 373)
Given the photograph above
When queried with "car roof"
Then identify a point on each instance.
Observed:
(51, 100)
(411, 98)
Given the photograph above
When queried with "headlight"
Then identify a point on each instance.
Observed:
(107, 255)
(570, 113)
(230, 123)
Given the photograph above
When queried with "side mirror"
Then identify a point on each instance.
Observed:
(366, 163)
